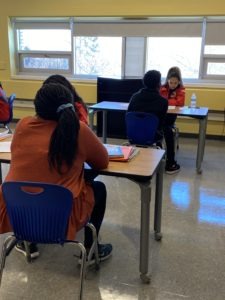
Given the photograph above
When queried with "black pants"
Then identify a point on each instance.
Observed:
(169, 138)
(98, 211)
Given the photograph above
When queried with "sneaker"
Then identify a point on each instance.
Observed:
(159, 145)
(172, 169)
(34, 253)
(104, 252)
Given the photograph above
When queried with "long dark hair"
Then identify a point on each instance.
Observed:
(62, 80)
(174, 72)
(55, 102)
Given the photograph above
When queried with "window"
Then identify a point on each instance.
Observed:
(87, 47)
(44, 39)
(162, 53)
(98, 56)
(43, 62)
(214, 48)
(43, 46)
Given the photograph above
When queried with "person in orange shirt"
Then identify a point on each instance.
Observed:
(174, 91)
(79, 104)
(80, 108)
(40, 152)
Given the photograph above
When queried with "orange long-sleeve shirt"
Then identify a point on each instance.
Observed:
(29, 162)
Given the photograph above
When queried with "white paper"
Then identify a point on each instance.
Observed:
(5, 146)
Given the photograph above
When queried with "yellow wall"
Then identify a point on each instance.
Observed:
(214, 98)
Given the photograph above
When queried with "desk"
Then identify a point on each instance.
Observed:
(198, 113)
(140, 169)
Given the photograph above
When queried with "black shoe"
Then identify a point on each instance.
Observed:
(20, 247)
(172, 169)
(159, 145)
(104, 252)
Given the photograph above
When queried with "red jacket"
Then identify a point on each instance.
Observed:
(176, 97)
(4, 107)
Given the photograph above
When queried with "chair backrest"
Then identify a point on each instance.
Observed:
(38, 212)
(141, 128)
(11, 99)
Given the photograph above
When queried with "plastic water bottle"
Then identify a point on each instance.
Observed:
(193, 101)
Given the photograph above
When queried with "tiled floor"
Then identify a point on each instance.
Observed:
(189, 262)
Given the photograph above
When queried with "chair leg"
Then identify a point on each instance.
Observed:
(7, 247)
(82, 269)
(176, 138)
(28, 256)
(9, 129)
(6, 126)
(94, 247)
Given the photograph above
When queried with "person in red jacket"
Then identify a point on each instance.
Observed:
(4, 106)
(79, 104)
(174, 91)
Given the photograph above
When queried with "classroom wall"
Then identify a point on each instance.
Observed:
(212, 97)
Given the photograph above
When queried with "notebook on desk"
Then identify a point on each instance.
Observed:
(114, 151)
(129, 152)
(4, 135)
(5, 147)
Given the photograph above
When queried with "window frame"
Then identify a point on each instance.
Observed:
(71, 23)
(45, 24)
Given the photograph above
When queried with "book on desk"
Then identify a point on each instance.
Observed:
(121, 153)
(5, 146)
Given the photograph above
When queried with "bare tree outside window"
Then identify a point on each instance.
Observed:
(98, 56)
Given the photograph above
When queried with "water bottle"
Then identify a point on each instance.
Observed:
(193, 101)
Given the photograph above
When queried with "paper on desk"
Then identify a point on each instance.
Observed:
(4, 135)
(5, 146)
(180, 107)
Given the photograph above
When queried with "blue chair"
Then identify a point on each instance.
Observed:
(141, 128)
(6, 123)
(39, 213)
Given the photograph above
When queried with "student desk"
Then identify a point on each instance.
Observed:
(140, 169)
(198, 113)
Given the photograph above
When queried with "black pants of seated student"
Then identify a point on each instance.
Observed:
(169, 138)
(98, 211)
